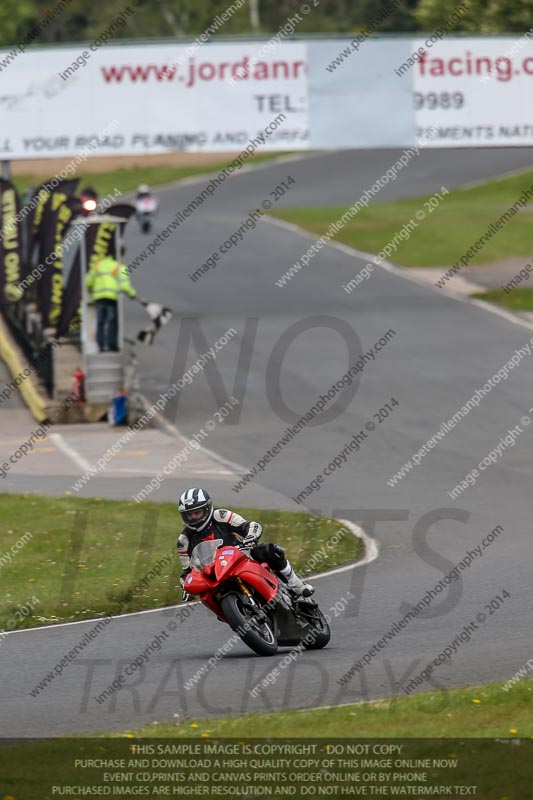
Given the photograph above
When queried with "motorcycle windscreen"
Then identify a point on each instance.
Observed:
(204, 553)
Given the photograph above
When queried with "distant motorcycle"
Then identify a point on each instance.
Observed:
(252, 601)
(88, 200)
(145, 210)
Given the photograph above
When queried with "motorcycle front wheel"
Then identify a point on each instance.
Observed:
(321, 630)
(256, 634)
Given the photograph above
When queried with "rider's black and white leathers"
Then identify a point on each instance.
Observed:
(232, 529)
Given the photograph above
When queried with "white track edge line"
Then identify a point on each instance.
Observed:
(371, 550)
(402, 272)
(69, 451)
(238, 469)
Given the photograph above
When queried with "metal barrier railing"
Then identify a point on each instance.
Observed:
(36, 346)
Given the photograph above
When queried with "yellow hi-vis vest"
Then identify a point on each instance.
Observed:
(107, 278)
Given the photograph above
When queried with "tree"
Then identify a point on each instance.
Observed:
(16, 18)
(430, 14)
(506, 16)
(255, 20)
(399, 17)
(84, 20)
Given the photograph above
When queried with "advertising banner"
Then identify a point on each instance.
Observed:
(290, 95)
(218, 98)
(443, 91)
(36, 213)
(475, 92)
(50, 284)
(355, 100)
(10, 243)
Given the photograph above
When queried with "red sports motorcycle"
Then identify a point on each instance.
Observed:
(252, 601)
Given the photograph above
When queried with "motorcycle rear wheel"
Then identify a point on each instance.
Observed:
(259, 637)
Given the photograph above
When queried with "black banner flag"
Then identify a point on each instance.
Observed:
(40, 203)
(58, 215)
(10, 243)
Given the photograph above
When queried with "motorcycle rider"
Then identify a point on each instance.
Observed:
(143, 191)
(202, 523)
(146, 205)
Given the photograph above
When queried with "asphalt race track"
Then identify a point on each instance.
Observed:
(442, 350)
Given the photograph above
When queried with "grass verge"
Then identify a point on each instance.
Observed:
(81, 557)
(472, 741)
(517, 299)
(480, 711)
(128, 178)
(490, 769)
(444, 235)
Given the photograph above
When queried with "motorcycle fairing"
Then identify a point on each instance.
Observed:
(230, 567)
(251, 572)
(289, 632)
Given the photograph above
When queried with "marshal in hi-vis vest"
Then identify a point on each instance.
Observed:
(107, 278)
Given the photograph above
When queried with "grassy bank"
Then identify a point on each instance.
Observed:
(517, 299)
(80, 558)
(481, 711)
(472, 742)
(444, 235)
(489, 769)
(127, 179)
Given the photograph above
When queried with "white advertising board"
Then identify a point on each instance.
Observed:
(355, 100)
(154, 98)
(157, 98)
(475, 92)
(466, 92)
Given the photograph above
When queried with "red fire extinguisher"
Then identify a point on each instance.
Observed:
(78, 388)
